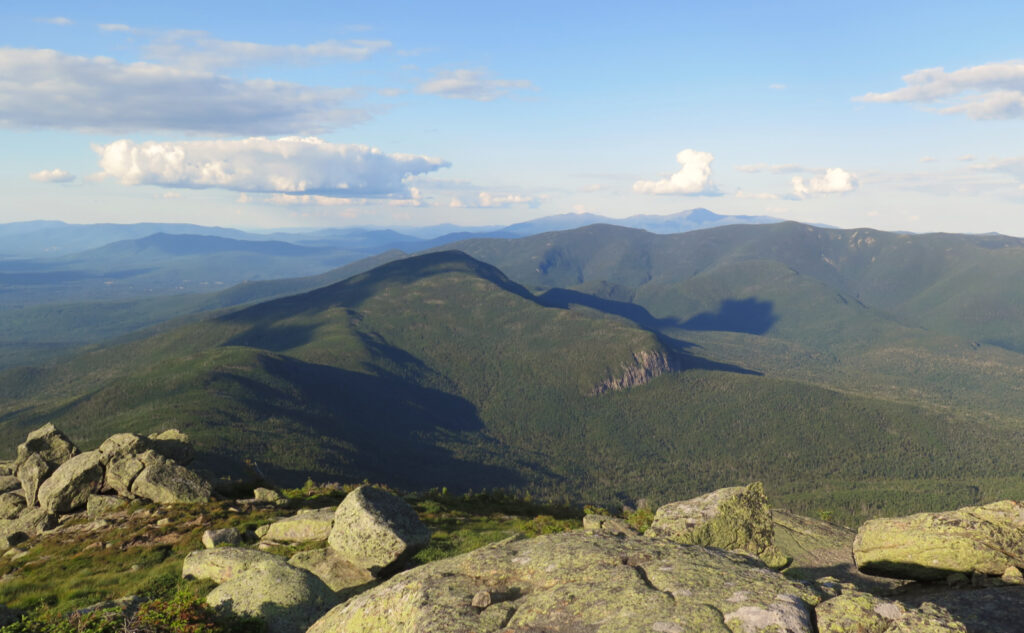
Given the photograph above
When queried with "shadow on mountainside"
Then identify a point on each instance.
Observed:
(747, 316)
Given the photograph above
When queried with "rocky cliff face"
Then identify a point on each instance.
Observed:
(646, 365)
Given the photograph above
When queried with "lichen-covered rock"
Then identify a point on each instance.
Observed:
(857, 612)
(29, 523)
(302, 528)
(164, 481)
(11, 505)
(931, 546)
(121, 471)
(988, 610)
(375, 530)
(99, 505)
(173, 444)
(224, 563)
(605, 523)
(8, 468)
(9, 483)
(48, 443)
(336, 572)
(220, 538)
(736, 519)
(579, 581)
(121, 444)
(31, 473)
(288, 599)
(266, 495)
(69, 487)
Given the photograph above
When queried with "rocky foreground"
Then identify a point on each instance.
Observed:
(720, 562)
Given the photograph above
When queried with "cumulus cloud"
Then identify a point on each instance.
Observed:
(834, 180)
(52, 175)
(488, 200)
(291, 166)
(988, 91)
(770, 168)
(471, 84)
(692, 179)
(124, 28)
(198, 50)
(46, 88)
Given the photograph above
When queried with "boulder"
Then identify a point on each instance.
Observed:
(122, 469)
(31, 473)
(121, 444)
(736, 519)
(336, 572)
(30, 522)
(220, 538)
(224, 563)
(375, 530)
(579, 581)
(931, 546)
(266, 495)
(48, 443)
(302, 528)
(173, 444)
(165, 481)
(69, 487)
(988, 610)
(286, 598)
(9, 483)
(11, 505)
(99, 505)
(857, 612)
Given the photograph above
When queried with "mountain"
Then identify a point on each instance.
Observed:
(439, 370)
(681, 222)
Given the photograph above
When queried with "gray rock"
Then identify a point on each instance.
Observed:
(266, 495)
(165, 481)
(854, 611)
(29, 523)
(121, 472)
(8, 467)
(9, 483)
(11, 505)
(374, 529)
(127, 606)
(220, 538)
(173, 444)
(99, 505)
(605, 523)
(122, 444)
(736, 519)
(48, 443)
(288, 599)
(31, 473)
(224, 563)
(302, 528)
(582, 582)
(69, 487)
(336, 572)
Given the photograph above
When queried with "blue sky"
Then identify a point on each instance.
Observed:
(900, 116)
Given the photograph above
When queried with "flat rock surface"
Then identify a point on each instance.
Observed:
(988, 610)
(582, 582)
(224, 563)
(303, 527)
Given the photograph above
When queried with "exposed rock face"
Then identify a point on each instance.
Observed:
(930, 546)
(645, 366)
(11, 505)
(856, 612)
(374, 529)
(31, 473)
(48, 443)
(735, 519)
(173, 444)
(69, 487)
(256, 583)
(303, 527)
(122, 469)
(165, 481)
(578, 581)
(336, 572)
(99, 505)
(9, 483)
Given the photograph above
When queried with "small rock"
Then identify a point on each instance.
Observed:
(99, 505)
(302, 528)
(266, 495)
(1012, 576)
(374, 529)
(174, 445)
(11, 505)
(482, 599)
(262, 530)
(162, 522)
(220, 538)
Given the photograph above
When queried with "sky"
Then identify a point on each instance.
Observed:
(892, 115)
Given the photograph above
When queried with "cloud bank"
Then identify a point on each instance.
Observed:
(46, 88)
(52, 175)
(692, 179)
(834, 180)
(988, 91)
(291, 165)
(471, 84)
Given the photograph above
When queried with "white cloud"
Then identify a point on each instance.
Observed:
(124, 28)
(197, 50)
(692, 179)
(756, 196)
(58, 21)
(788, 168)
(52, 175)
(46, 88)
(490, 200)
(834, 180)
(291, 165)
(471, 84)
(988, 91)
(928, 159)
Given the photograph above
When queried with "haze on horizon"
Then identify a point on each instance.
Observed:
(898, 117)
